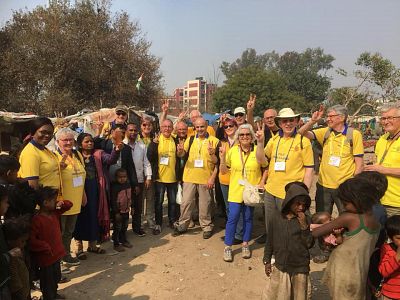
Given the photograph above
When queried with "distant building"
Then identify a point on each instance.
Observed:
(197, 94)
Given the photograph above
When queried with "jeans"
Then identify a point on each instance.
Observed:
(325, 198)
(235, 210)
(120, 227)
(172, 189)
(67, 228)
(273, 205)
(239, 226)
(137, 208)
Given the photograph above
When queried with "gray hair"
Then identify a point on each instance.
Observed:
(389, 106)
(245, 126)
(340, 110)
(64, 132)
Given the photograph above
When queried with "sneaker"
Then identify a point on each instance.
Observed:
(64, 279)
(140, 232)
(65, 270)
(71, 261)
(246, 254)
(228, 254)
(127, 245)
(207, 235)
(177, 232)
(320, 259)
(157, 230)
(119, 248)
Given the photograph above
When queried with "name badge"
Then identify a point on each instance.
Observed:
(280, 166)
(164, 160)
(77, 181)
(198, 163)
(334, 161)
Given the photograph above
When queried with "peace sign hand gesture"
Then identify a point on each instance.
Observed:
(180, 147)
(210, 148)
(252, 101)
(317, 115)
(165, 106)
(222, 152)
(260, 133)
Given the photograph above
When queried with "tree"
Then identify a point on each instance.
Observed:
(269, 87)
(378, 82)
(67, 57)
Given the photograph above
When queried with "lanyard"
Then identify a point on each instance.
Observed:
(277, 147)
(229, 142)
(341, 147)
(200, 145)
(243, 162)
(395, 137)
(163, 141)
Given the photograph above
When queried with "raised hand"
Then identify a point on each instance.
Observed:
(317, 115)
(165, 106)
(182, 116)
(252, 102)
(156, 138)
(210, 148)
(180, 146)
(222, 152)
(119, 146)
(260, 134)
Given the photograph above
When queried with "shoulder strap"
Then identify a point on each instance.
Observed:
(349, 136)
(301, 143)
(326, 136)
(191, 139)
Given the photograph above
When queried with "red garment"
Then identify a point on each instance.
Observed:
(45, 240)
(389, 267)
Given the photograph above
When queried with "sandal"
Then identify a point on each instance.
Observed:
(97, 250)
(81, 255)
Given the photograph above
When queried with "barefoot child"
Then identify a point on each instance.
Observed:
(346, 273)
(45, 241)
(289, 240)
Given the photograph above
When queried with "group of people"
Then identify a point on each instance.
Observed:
(90, 186)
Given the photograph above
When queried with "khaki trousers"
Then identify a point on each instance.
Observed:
(188, 205)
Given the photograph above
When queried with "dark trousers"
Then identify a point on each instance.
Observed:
(137, 207)
(325, 198)
(120, 227)
(171, 189)
(49, 278)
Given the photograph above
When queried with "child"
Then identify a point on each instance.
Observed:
(389, 265)
(289, 240)
(346, 273)
(16, 232)
(5, 254)
(45, 241)
(120, 203)
(329, 241)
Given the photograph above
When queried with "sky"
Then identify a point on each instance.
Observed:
(193, 37)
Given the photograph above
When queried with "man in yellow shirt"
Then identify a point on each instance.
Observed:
(198, 176)
(164, 154)
(342, 154)
(387, 151)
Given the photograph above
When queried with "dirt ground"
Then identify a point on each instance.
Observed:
(183, 267)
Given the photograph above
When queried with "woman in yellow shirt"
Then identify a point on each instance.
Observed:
(242, 161)
(73, 176)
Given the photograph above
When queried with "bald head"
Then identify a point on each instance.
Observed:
(201, 126)
(269, 118)
(194, 114)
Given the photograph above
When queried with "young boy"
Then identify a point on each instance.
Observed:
(389, 266)
(46, 243)
(16, 232)
(120, 203)
(5, 254)
(289, 240)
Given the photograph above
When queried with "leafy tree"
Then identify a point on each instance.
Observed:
(269, 87)
(70, 56)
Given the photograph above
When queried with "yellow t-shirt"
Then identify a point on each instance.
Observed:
(73, 182)
(391, 160)
(225, 178)
(145, 140)
(280, 149)
(166, 160)
(192, 131)
(331, 176)
(252, 171)
(198, 151)
(40, 163)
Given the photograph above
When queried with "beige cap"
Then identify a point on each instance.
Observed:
(287, 112)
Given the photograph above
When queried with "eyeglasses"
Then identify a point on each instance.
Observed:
(229, 126)
(239, 115)
(290, 120)
(67, 140)
(121, 113)
(331, 116)
(202, 126)
(146, 125)
(389, 119)
(244, 134)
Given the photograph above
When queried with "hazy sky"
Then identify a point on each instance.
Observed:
(193, 37)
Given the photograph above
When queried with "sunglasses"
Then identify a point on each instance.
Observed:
(239, 115)
(121, 113)
(229, 126)
(146, 125)
(290, 120)
(244, 134)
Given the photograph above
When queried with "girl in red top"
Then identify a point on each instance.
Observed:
(45, 241)
(389, 266)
